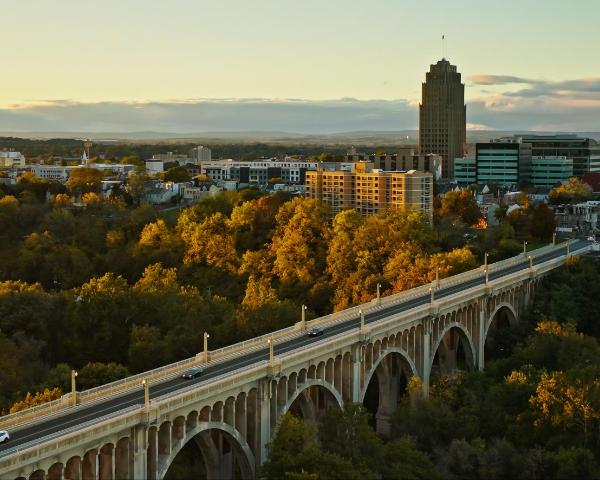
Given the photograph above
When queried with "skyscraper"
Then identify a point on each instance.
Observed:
(442, 115)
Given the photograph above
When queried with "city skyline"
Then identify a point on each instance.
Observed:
(116, 60)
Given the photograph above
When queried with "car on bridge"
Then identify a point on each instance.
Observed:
(4, 436)
(192, 373)
(315, 332)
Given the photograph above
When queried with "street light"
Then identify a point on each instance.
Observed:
(485, 260)
(378, 293)
(304, 307)
(146, 393)
(524, 247)
(73, 388)
(271, 353)
(432, 292)
(362, 319)
(206, 337)
(530, 262)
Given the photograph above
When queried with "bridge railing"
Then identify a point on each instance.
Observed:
(133, 382)
(171, 401)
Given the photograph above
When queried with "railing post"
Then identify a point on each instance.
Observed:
(362, 320)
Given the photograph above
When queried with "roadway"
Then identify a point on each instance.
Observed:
(85, 413)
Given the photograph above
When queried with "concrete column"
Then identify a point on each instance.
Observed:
(139, 446)
(356, 371)
(152, 467)
(225, 457)
(481, 337)
(426, 363)
(265, 418)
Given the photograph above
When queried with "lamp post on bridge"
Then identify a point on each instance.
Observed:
(554, 239)
(525, 247)
(206, 337)
(303, 308)
(73, 387)
(146, 386)
(432, 292)
(271, 352)
(530, 262)
(485, 260)
(362, 320)
(378, 293)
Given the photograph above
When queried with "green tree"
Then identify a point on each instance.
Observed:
(573, 190)
(462, 204)
(177, 174)
(94, 374)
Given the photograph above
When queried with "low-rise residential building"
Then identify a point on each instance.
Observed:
(370, 191)
(196, 193)
(259, 172)
(578, 219)
(10, 159)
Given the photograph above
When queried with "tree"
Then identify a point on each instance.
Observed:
(462, 204)
(177, 175)
(47, 395)
(573, 190)
(94, 374)
(147, 349)
(82, 180)
(541, 222)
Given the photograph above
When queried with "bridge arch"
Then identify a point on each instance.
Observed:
(238, 443)
(450, 361)
(384, 385)
(403, 353)
(502, 305)
(496, 342)
(299, 396)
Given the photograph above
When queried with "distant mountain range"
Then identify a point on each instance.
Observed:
(373, 138)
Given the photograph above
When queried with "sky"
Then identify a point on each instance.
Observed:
(299, 66)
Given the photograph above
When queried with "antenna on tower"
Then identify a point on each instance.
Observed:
(444, 49)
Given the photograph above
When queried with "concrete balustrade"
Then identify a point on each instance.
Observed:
(231, 419)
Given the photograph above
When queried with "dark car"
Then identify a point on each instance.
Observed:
(192, 373)
(315, 332)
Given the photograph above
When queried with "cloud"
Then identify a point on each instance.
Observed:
(554, 106)
(210, 115)
(581, 88)
(498, 80)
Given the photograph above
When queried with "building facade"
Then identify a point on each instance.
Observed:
(10, 159)
(404, 159)
(501, 162)
(201, 154)
(370, 191)
(261, 171)
(585, 152)
(442, 115)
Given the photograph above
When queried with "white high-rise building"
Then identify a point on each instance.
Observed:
(201, 154)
